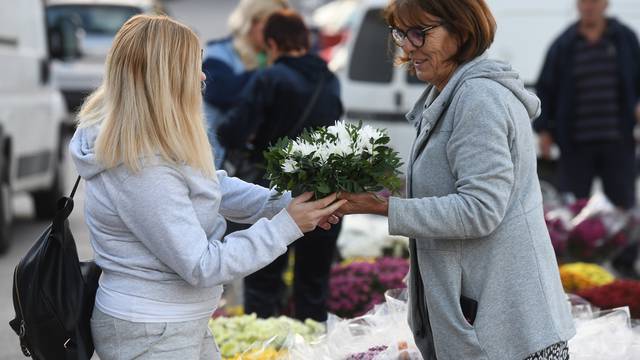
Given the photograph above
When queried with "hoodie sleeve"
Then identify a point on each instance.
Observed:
(479, 155)
(156, 208)
(245, 203)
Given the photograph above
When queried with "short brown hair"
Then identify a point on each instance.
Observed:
(470, 21)
(287, 29)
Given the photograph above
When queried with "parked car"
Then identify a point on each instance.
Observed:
(32, 111)
(376, 91)
(100, 20)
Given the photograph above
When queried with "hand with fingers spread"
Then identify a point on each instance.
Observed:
(309, 214)
(363, 203)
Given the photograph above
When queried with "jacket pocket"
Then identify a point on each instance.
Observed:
(469, 308)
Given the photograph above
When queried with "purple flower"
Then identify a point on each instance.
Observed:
(357, 287)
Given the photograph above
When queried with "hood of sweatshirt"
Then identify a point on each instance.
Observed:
(479, 68)
(310, 66)
(82, 150)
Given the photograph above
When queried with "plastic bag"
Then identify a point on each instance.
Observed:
(604, 334)
(590, 230)
(381, 334)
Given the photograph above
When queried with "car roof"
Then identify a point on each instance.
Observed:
(137, 3)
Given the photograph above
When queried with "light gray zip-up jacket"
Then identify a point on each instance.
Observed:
(158, 234)
(474, 214)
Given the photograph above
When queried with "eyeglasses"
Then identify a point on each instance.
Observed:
(416, 36)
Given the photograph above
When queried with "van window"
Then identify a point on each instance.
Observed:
(372, 56)
(94, 19)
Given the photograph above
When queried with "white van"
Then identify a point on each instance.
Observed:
(377, 92)
(99, 20)
(31, 110)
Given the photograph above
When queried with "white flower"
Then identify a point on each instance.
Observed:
(289, 166)
(343, 147)
(339, 130)
(316, 137)
(303, 148)
(367, 136)
(323, 152)
(369, 132)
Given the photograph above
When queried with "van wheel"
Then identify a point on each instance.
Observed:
(45, 201)
(6, 211)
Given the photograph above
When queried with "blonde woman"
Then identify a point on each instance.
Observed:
(156, 207)
(229, 63)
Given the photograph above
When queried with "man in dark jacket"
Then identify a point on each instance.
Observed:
(272, 107)
(590, 92)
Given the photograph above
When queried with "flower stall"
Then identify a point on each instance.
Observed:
(356, 287)
(249, 338)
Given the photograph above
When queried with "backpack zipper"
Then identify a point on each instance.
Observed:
(23, 330)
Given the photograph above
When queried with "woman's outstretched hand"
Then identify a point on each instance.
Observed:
(309, 214)
(363, 203)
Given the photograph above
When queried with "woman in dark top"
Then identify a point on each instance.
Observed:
(273, 106)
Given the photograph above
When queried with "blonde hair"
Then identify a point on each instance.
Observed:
(150, 101)
(241, 20)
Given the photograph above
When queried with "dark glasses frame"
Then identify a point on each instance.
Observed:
(399, 37)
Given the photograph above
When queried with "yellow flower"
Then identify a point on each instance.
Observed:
(348, 261)
(579, 276)
(266, 354)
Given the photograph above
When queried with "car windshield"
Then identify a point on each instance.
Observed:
(94, 19)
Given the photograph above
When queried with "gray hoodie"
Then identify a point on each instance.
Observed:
(158, 234)
(474, 216)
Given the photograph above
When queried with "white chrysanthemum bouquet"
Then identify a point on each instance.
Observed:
(342, 157)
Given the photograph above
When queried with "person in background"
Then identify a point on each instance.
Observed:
(274, 106)
(590, 93)
(229, 63)
(156, 207)
(484, 282)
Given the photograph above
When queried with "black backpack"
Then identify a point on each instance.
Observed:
(54, 293)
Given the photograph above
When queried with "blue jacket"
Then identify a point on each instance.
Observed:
(555, 87)
(275, 100)
(226, 78)
(226, 74)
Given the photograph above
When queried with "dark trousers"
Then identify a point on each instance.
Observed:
(614, 163)
(314, 253)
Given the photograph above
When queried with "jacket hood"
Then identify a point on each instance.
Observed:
(83, 154)
(310, 66)
(479, 68)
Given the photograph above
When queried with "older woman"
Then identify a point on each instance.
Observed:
(484, 281)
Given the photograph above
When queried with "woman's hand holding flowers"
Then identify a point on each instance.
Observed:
(309, 214)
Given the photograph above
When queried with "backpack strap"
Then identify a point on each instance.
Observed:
(307, 111)
(75, 187)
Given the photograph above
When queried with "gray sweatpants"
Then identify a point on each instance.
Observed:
(117, 339)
